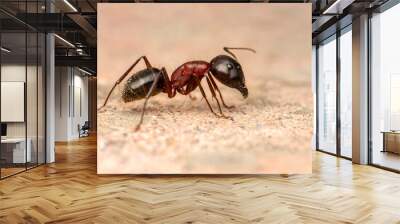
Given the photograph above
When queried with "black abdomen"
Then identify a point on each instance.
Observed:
(139, 84)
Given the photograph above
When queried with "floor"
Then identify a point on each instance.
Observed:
(10, 171)
(70, 191)
(387, 159)
(5, 172)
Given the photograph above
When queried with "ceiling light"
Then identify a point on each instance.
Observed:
(70, 5)
(5, 50)
(80, 51)
(338, 6)
(64, 40)
(84, 71)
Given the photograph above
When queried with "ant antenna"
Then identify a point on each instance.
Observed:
(227, 49)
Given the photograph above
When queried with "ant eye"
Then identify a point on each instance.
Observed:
(238, 66)
(229, 66)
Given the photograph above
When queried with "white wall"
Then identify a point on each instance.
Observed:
(12, 73)
(62, 82)
(16, 73)
(13, 101)
(80, 89)
(70, 83)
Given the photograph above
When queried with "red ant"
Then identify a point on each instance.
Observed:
(186, 78)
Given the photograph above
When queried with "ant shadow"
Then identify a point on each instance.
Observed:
(154, 109)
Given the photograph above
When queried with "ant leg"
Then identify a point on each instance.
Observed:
(215, 97)
(146, 61)
(205, 97)
(219, 92)
(158, 75)
(148, 65)
(168, 87)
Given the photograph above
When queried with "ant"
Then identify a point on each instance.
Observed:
(186, 78)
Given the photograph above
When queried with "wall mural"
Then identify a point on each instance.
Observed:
(204, 88)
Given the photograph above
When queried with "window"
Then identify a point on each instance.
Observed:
(327, 95)
(385, 89)
(346, 92)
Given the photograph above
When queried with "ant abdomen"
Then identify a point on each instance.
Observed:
(138, 85)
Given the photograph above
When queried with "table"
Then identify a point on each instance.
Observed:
(391, 141)
(16, 147)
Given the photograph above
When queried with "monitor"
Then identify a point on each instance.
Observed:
(3, 129)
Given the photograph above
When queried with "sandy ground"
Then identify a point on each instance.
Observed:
(272, 128)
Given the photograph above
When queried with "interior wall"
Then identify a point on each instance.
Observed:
(16, 72)
(71, 102)
(33, 126)
(80, 102)
(62, 81)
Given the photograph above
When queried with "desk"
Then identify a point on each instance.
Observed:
(16, 147)
(391, 141)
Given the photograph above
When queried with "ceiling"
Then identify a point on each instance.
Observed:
(76, 21)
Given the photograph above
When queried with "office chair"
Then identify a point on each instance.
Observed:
(84, 130)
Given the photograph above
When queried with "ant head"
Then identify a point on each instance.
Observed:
(229, 72)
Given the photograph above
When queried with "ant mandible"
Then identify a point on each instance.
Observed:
(186, 78)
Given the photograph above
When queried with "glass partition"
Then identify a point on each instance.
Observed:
(22, 101)
(31, 100)
(13, 102)
(41, 96)
(32, 87)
